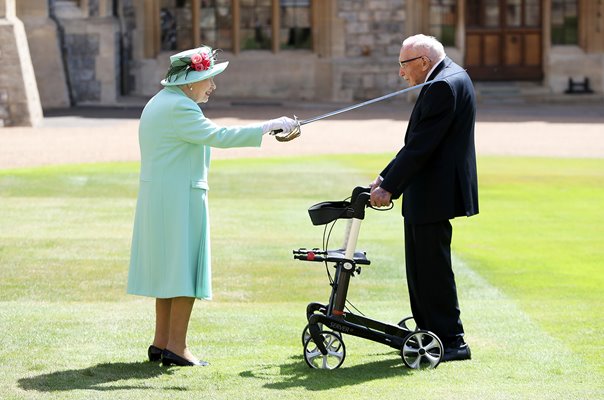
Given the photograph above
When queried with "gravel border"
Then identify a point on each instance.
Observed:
(88, 135)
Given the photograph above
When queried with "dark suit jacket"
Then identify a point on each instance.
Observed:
(435, 171)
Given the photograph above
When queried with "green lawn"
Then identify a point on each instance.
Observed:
(528, 270)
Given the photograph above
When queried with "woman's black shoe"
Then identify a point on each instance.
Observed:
(168, 358)
(154, 353)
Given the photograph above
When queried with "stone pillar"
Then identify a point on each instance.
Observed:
(329, 44)
(19, 99)
(45, 50)
(195, 17)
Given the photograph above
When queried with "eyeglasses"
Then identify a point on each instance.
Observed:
(404, 62)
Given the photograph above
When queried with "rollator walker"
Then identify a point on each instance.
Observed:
(322, 338)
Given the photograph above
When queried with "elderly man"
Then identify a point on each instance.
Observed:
(435, 171)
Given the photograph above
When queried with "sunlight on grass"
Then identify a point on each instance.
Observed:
(539, 237)
(528, 271)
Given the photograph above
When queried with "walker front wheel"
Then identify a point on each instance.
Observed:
(306, 332)
(336, 352)
(422, 350)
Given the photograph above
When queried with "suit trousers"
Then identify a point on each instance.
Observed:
(431, 281)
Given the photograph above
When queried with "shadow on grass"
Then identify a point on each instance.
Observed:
(101, 377)
(297, 374)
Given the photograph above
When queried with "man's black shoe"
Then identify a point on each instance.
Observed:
(458, 353)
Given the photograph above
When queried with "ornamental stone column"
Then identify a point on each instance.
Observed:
(44, 42)
(19, 99)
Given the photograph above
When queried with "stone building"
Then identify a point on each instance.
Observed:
(19, 101)
(99, 51)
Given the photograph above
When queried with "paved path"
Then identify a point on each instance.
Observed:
(110, 134)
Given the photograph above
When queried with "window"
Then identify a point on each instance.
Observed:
(443, 19)
(491, 14)
(532, 13)
(295, 24)
(235, 24)
(522, 13)
(256, 24)
(513, 15)
(564, 22)
(483, 13)
(175, 24)
(216, 23)
(168, 29)
(504, 13)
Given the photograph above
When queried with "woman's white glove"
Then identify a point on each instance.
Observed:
(283, 124)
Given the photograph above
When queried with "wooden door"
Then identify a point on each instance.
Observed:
(503, 39)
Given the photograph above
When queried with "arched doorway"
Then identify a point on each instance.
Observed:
(504, 39)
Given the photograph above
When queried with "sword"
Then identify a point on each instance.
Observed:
(297, 130)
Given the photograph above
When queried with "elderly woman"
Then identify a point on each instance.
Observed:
(170, 257)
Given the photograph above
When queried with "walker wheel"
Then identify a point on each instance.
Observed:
(336, 352)
(306, 333)
(422, 350)
(408, 324)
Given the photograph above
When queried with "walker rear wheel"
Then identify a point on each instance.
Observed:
(336, 352)
(422, 350)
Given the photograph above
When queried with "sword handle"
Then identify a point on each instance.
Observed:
(276, 131)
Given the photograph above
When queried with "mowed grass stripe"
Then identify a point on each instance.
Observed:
(257, 346)
(72, 332)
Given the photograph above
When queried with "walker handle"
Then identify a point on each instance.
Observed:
(359, 200)
(358, 191)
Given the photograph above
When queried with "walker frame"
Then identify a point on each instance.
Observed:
(322, 338)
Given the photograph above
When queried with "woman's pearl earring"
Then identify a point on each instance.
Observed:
(191, 88)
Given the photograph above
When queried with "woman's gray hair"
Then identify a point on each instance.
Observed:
(431, 46)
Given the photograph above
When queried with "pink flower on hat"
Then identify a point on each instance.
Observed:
(196, 58)
(201, 61)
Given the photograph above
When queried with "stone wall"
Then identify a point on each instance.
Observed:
(573, 62)
(90, 39)
(19, 101)
(354, 56)
(82, 51)
(374, 31)
(92, 56)
(286, 75)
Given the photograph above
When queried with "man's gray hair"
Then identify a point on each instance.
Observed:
(429, 44)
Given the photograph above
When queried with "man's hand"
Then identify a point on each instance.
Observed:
(375, 184)
(380, 197)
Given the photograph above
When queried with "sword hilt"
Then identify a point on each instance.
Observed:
(277, 133)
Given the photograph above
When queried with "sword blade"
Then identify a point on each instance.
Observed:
(366, 103)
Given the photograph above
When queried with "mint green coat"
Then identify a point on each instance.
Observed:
(170, 255)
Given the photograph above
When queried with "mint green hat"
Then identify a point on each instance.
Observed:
(192, 66)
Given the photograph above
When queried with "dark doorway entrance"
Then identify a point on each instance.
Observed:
(504, 39)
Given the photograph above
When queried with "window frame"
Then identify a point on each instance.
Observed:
(563, 28)
(152, 20)
(454, 25)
